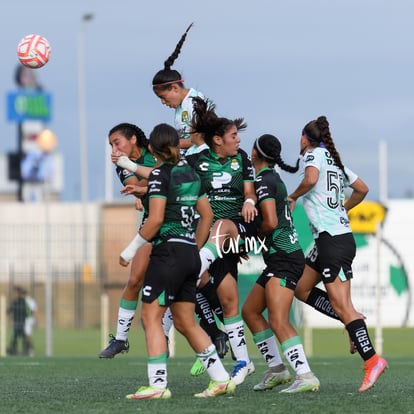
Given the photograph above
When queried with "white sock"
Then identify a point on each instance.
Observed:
(235, 330)
(208, 253)
(125, 317)
(157, 371)
(213, 365)
(295, 355)
(267, 345)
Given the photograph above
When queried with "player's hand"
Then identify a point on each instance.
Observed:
(123, 262)
(115, 156)
(249, 212)
(133, 189)
(138, 205)
(292, 203)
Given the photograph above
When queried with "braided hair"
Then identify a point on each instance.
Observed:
(128, 131)
(164, 78)
(268, 148)
(205, 121)
(317, 131)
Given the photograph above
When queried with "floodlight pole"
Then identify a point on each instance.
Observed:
(383, 186)
(82, 108)
(47, 142)
(83, 147)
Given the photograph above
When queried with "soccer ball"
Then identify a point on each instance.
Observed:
(34, 51)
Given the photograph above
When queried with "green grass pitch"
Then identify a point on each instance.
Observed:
(76, 381)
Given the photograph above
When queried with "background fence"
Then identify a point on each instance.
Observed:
(73, 250)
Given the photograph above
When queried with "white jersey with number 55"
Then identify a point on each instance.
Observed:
(324, 203)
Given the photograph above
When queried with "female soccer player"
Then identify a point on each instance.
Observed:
(275, 287)
(227, 175)
(324, 179)
(130, 141)
(175, 195)
(168, 85)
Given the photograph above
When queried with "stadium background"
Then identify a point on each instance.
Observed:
(77, 247)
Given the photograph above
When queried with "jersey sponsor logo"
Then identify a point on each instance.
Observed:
(220, 179)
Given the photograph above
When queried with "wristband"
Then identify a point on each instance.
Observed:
(129, 252)
(125, 162)
(250, 201)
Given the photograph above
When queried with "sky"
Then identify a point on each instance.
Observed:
(278, 64)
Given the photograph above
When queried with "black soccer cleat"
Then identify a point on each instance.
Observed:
(220, 342)
(115, 347)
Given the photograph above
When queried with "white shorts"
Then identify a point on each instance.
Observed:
(29, 325)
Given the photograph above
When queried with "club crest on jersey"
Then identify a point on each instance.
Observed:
(234, 164)
(185, 117)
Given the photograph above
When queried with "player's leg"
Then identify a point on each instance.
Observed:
(185, 323)
(151, 316)
(128, 304)
(279, 292)
(227, 292)
(264, 339)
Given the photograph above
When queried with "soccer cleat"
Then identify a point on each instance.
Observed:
(303, 384)
(150, 393)
(373, 373)
(115, 347)
(352, 348)
(241, 370)
(197, 368)
(273, 378)
(168, 345)
(216, 388)
(220, 342)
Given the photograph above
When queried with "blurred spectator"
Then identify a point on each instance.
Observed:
(18, 312)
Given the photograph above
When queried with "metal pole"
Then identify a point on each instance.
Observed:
(82, 109)
(84, 176)
(47, 142)
(49, 281)
(383, 187)
(383, 172)
(109, 187)
(378, 326)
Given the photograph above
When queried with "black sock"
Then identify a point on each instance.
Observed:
(319, 300)
(206, 316)
(210, 294)
(358, 332)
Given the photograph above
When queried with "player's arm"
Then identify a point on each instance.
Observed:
(269, 217)
(309, 180)
(185, 143)
(359, 191)
(125, 162)
(204, 222)
(249, 211)
(149, 230)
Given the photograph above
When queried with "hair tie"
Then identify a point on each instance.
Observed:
(168, 83)
(261, 151)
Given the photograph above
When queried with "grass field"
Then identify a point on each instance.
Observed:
(76, 381)
(89, 385)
